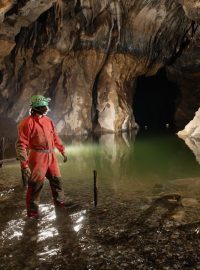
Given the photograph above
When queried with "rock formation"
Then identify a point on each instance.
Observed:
(87, 55)
(192, 129)
(191, 135)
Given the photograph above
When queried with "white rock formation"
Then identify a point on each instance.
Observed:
(191, 135)
(192, 129)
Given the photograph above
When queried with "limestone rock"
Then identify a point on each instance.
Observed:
(191, 8)
(192, 129)
(87, 55)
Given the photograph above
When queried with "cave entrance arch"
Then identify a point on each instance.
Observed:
(155, 102)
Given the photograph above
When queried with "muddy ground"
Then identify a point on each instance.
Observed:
(153, 228)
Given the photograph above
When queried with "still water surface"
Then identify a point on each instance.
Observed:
(129, 164)
(124, 164)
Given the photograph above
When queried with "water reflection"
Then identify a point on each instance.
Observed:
(6, 192)
(48, 240)
(47, 229)
(13, 230)
(194, 145)
(78, 219)
(114, 152)
(125, 163)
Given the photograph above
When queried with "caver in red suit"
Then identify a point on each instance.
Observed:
(35, 147)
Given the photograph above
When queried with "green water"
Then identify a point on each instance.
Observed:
(129, 164)
(123, 162)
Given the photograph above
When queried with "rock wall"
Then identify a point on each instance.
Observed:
(185, 72)
(87, 55)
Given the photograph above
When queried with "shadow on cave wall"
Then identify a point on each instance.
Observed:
(155, 102)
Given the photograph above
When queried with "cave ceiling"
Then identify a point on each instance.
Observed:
(87, 55)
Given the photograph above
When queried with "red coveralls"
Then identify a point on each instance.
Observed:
(37, 139)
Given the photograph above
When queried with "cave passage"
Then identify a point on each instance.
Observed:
(155, 102)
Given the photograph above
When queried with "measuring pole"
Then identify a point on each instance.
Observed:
(95, 189)
(2, 151)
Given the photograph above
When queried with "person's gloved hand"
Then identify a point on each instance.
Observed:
(64, 158)
(26, 174)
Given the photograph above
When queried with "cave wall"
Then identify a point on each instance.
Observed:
(87, 54)
(185, 72)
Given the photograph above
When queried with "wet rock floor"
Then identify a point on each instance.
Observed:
(156, 228)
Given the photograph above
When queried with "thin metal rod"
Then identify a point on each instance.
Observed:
(95, 189)
(2, 151)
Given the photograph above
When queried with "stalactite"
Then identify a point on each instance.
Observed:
(91, 9)
(87, 11)
(46, 31)
(48, 28)
(186, 40)
(4, 80)
(59, 14)
(115, 11)
(21, 39)
(33, 36)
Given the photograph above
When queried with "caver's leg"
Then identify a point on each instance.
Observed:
(38, 164)
(56, 188)
(54, 177)
(33, 198)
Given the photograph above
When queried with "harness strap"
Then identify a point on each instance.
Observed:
(43, 150)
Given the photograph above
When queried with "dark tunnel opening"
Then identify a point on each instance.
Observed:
(155, 102)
